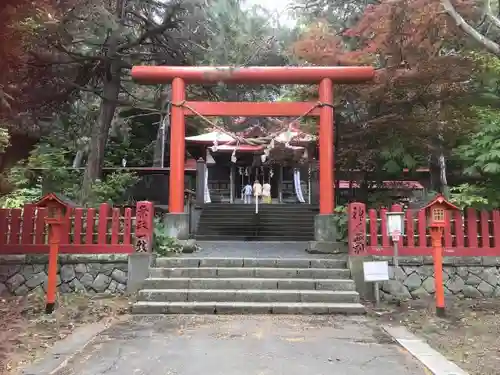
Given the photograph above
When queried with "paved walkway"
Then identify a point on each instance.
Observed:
(255, 249)
(243, 345)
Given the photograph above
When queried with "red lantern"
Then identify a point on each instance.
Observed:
(437, 209)
(57, 207)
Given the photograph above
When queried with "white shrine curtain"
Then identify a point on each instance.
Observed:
(207, 191)
(298, 186)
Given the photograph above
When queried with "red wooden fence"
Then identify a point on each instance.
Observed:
(86, 231)
(467, 233)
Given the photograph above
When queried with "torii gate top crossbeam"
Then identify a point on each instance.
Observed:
(267, 74)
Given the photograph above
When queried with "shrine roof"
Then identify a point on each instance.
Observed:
(282, 132)
(411, 185)
(232, 147)
(441, 200)
(210, 137)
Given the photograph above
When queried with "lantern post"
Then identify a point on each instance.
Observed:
(437, 214)
(56, 211)
(395, 229)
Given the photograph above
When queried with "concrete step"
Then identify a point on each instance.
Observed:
(249, 283)
(144, 307)
(277, 207)
(287, 215)
(230, 295)
(232, 224)
(248, 272)
(177, 262)
(251, 238)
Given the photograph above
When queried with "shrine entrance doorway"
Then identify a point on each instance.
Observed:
(264, 174)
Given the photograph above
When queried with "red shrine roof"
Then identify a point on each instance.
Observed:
(210, 137)
(410, 185)
(282, 132)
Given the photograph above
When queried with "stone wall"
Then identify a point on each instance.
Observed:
(100, 273)
(471, 277)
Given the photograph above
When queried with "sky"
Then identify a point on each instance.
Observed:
(271, 4)
(278, 6)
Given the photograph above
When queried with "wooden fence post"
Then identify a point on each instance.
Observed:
(144, 227)
(356, 226)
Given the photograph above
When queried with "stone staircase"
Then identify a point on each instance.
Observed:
(248, 286)
(274, 222)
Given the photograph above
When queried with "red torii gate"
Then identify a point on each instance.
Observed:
(180, 76)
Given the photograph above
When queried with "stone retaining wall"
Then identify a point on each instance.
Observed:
(472, 277)
(101, 273)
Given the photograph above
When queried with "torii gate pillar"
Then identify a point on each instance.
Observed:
(324, 76)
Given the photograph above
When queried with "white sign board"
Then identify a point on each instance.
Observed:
(376, 271)
(394, 224)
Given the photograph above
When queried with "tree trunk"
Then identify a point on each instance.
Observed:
(434, 173)
(78, 159)
(100, 132)
(110, 91)
(159, 157)
(442, 174)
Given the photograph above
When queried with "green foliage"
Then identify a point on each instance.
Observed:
(164, 245)
(46, 170)
(397, 157)
(242, 36)
(26, 189)
(482, 151)
(466, 195)
(481, 158)
(380, 198)
(4, 139)
(113, 188)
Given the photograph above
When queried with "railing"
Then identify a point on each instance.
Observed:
(84, 231)
(466, 233)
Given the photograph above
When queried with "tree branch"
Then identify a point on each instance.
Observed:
(488, 12)
(487, 43)
(168, 22)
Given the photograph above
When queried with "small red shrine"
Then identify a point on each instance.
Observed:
(437, 209)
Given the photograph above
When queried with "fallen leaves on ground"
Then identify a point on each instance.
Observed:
(26, 332)
(469, 335)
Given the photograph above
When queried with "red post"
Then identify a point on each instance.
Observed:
(15, 226)
(102, 231)
(372, 214)
(422, 229)
(410, 228)
(177, 148)
(383, 228)
(472, 228)
(326, 145)
(55, 226)
(4, 225)
(437, 246)
(127, 226)
(28, 224)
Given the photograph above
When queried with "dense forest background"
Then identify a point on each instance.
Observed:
(68, 107)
